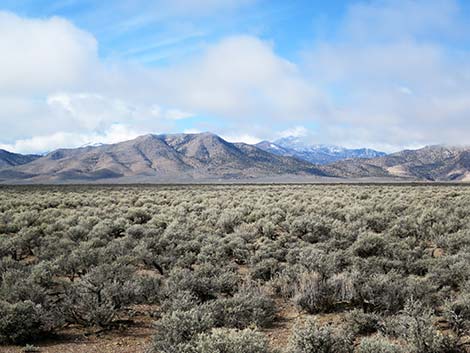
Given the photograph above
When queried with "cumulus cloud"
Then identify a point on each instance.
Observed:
(42, 144)
(38, 55)
(241, 77)
(93, 111)
(385, 77)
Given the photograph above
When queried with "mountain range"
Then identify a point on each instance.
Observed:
(431, 163)
(9, 159)
(208, 157)
(176, 157)
(318, 154)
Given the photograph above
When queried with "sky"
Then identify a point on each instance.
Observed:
(384, 74)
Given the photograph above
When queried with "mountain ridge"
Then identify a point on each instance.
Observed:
(170, 156)
(431, 163)
(206, 156)
(317, 154)
(10, 159)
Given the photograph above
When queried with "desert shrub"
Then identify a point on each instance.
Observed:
(205, 282)
(181, 300)
(361, 323)
(319, 261)
(87, 254)
(18, 286)
(378, 221)
(457, 313)
(283, 283)
(237, 249)
(136, 231)
(369, 245)
(176, 331)
(138, 216)
(20, 322)
(454, 243)
(310, 337)
(417, 328)
(97, 297)
(232, 341)
(452, 271)
(381, 292)
(315, 293)
(265, 269)
(228, 221)
(249, 306)
(310, 229)
(148, 289)
(109, 229)
(378, 344)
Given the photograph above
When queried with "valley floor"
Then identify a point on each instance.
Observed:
(146, 268)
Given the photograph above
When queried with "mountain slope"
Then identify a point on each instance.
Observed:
(171, 157)
(9, 159)
(434, 163)
(317, 154)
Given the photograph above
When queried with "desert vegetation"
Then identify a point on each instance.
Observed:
(240, 269)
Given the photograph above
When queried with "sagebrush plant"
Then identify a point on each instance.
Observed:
(232, 341)
(312, 337)
(20, 322)
(178, 330)
(418, 329)
(250, 306)
(362, 323)
(378, 344)
(209, 260)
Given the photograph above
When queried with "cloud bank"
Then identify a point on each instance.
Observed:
(385, 78)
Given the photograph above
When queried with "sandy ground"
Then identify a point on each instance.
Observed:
(134, 338)
(137, 337)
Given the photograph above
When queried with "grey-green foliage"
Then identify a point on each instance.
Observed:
(205, 282)
(416, 326)
(457, 313)
(362, 323)
(250, 306)
(312, 337)
(20, 322)
(315, 293)
(176, 331)
(232, 341)
(87, 255)
(378, 344)
(97, 297)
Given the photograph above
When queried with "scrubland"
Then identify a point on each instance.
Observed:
(237, 268)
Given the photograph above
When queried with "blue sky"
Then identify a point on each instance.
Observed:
(387, 74)
(152, 34)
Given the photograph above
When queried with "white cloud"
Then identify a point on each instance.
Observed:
(91, 111)
(383, 79)
(38, 55)
(297, 131)
(406, 90)
(176, 114)
(381, 20)
(246, 138)
(241, 78)
(383, 45)
(41, 144)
